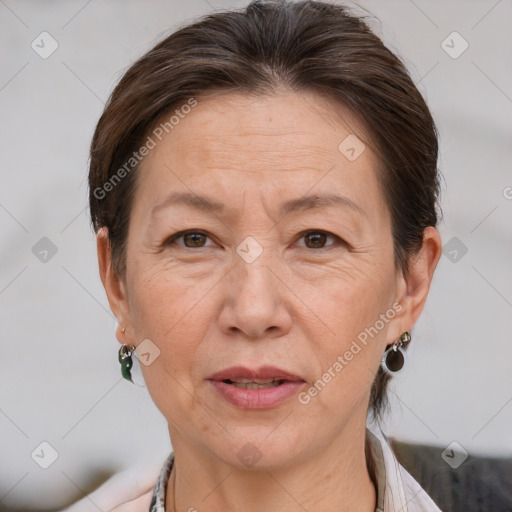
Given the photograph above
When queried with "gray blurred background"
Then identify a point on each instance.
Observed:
(60, 379)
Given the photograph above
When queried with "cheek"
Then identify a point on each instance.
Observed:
(355, 308)
(162, 302)
(350, 298)
(172, 316)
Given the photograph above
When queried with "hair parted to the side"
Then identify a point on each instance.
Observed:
(304, 46)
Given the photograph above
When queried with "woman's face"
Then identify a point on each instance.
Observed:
(273, 272)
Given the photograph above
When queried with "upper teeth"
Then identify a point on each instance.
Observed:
(251, 384)
(255, 381)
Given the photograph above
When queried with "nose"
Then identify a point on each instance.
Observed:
(255, 300)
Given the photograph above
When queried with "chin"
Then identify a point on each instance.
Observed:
(254, 449)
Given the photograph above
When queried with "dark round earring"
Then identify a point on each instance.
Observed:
(393, 358)
(125, 358)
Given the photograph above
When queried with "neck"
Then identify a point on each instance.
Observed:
(337, 478)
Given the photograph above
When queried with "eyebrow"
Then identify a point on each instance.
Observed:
(303, 203)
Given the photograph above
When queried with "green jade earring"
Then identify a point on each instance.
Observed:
(125, 358)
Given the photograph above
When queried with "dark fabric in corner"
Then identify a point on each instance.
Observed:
(479, 484)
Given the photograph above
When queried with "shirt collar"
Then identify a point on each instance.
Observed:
(158, 499)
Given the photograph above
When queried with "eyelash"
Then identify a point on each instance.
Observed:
(173, 238)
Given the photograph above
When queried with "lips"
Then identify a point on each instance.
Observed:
(261, 388)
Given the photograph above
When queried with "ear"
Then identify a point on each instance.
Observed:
(412, 290)
(115, 288)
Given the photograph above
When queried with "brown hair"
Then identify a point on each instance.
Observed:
(301, 46)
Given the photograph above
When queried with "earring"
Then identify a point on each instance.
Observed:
(393, 358)
(125, 358)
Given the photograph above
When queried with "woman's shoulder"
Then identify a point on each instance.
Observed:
(128, 490)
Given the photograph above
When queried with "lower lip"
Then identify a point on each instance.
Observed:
(262, 398)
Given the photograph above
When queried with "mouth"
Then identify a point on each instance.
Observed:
(264, 376)
(261, 388)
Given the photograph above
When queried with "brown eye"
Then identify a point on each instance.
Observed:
(318, 239)
(194, 239)
(191, 239)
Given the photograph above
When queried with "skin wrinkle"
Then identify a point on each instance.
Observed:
(293, 307)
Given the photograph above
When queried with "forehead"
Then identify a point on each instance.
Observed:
(304, 127)
(285, 144)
